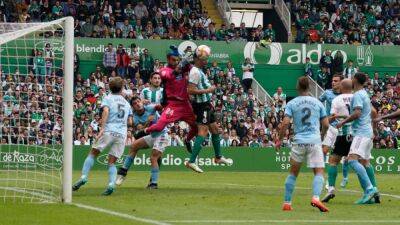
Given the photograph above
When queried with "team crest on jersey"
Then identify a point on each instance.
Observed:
(178, 77)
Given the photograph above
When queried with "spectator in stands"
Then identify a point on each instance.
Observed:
(337, 66)
(248, 74)
(146, 65)
(270, 33)
(280, 96)
(123, 61)
(141, 11)
(350, 70)
(110, 59)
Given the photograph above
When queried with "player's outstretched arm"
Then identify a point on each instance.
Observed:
(393, 115)
(355, 115)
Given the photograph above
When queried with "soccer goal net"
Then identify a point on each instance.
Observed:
(36, 103)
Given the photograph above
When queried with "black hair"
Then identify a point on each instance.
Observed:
(361, 78)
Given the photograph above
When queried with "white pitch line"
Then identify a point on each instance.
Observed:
(118, 214)
(301, 188)
(285, 221)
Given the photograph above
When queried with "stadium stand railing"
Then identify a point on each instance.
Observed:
(284, 13)
(225, 11)
(315, 89)
(261, 94)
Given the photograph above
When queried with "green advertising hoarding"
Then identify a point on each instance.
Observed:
(274, 54)
(278, 64)
(245, 159)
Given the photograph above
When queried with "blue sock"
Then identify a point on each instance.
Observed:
(289, 187)
(317, 185)
(362, 175)
(112, 175)
(128, 162)
(345, 169)
(154, 175)
(87, 165)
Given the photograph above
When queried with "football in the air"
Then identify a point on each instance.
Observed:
(203, 51)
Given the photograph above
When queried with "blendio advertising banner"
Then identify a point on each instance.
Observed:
(245, 159)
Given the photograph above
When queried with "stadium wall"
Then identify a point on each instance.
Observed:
(278, 64)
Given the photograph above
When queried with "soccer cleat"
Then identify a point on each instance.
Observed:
(328, 197)
(139, 134)
(152, 186)
(108, 191)
(79, 184)
(194, 167)
(318, 204)
(344, 182)
(287, 207)
(367, 197)
(377, 198)
(120, 179)
(188, 146)
(223, 160)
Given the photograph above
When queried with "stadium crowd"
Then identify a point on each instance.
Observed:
(30, 109)
(154, 19)
(347, 21)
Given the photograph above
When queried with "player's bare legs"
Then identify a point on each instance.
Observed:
(87, 165)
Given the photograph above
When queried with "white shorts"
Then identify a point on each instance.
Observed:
(158, 143)
(117, 142)
(330, 137)
(362, 147)
(313, 153)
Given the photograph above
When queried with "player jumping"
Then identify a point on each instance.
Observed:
(142, 115)
(116, 116)
(177, 107)
(340, 109)
(308, 115)
(360, 150)
(329, 140)
(201, 89)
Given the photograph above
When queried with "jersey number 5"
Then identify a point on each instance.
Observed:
(121, 111)
(307, 113)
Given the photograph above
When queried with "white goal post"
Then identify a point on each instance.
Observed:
(36, 111)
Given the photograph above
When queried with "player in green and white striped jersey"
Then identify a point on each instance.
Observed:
(201, 90)
(154, 93)
(340, 109)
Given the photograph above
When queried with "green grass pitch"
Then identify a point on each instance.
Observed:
(209, 198)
